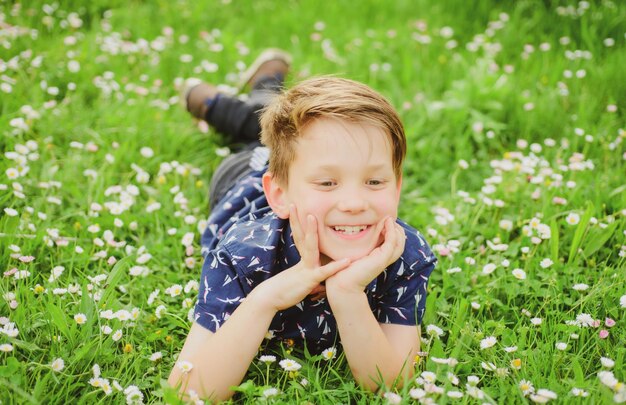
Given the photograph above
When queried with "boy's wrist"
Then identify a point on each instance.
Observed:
(338, 291)
(263, 299)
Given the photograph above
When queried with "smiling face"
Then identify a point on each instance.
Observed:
(343, 175)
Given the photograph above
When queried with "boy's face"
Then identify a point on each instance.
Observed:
(343, 175)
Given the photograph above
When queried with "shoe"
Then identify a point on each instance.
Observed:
(197, 96)
(271, 63)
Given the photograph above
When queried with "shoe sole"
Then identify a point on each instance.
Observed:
(267, 55)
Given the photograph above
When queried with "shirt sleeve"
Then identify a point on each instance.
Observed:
(220, 291)
(404, 302)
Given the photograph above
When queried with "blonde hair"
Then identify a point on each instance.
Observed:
(283, 120)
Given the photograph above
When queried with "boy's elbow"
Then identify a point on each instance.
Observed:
(396, 378)
(191, 388)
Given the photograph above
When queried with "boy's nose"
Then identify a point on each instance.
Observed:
(353, 203)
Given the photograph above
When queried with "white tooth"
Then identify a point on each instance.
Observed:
(349, 229)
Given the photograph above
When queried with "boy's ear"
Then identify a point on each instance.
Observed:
(399, 185)
(276, 196)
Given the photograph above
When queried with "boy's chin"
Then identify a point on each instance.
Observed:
(352, 254)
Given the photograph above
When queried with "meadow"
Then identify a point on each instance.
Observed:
(516, 169)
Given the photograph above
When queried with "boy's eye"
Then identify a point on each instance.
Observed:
(375, 182)
(327, 183)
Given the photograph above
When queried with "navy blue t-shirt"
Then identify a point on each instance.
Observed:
(245, 243)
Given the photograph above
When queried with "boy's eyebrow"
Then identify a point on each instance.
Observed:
(374, 166)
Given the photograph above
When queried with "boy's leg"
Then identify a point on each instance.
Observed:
(227, 115)
(231, 116)
(230, 170)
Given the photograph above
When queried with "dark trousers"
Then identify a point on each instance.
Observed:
(238, 120)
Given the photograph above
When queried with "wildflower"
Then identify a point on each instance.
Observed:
(488, 342)
(583, 320)
(417, 393)
(519, 274)
(174, 290)
(453, 378)
(184, 366)
(488, 366)
(572, 218)
(133, 395)
(455, 394)
(475, 392)
(117, 335)
(187, 239)
(433, 330)
(472, 380)
(10, 212)
(429, 376)
(329, 354)
(506, 224)
(146, 152)
(159, 311)
(580, 287)
(136, 271)
(577, 392)
(58, 364)
(502, 372)
(304, 382)
(608, 378)
(290, 365)
(561, 346)
(622, 301)
(510, 349)
(545, 263)
(606, 362)
(270, 392)
(156, 356)
(56, 273)
(542, 396)
(123, 315)
(516, 364)
(536, 321)
(603, 334)
(609, 322)
(6, 347)
(526, 387)
(489, 268)
(143, 259)
(80, 318)
(105, 385)
(266, 358)
(153, 295)
(190, 262)
(191, 285)
(392, 397)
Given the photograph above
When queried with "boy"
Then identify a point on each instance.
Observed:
(309, 247)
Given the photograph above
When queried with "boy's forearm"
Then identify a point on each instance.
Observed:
(371, 356)
(220, 360)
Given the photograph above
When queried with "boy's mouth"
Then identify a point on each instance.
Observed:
(350, 229)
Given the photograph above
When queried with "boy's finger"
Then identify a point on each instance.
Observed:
(310, 253)
(332, 268)
(296, 229)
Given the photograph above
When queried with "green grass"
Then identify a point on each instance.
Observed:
(512, 112)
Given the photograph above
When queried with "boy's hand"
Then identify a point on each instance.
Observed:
(362, 271)
(290, 286)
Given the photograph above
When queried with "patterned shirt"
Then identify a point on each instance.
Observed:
(245, 243)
